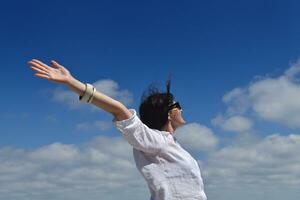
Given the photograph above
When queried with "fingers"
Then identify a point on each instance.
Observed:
(39, 70)
(55, 64)
(41, 73)
(42, 76)
(39, 64)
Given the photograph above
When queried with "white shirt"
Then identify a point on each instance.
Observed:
(170, 171)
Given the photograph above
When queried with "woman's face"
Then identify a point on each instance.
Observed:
(176, 118)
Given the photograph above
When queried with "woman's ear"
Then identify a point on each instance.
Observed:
(169, 116)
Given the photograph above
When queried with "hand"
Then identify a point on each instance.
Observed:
(56, 73)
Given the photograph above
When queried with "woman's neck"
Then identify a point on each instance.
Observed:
(168, 127)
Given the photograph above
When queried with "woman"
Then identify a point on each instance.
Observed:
(169, 170)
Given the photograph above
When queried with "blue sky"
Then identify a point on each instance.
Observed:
(209, 47)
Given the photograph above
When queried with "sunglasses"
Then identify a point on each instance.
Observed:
(175, 105)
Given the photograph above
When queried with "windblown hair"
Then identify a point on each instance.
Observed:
(154, 106)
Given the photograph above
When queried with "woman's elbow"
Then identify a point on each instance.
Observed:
(122, 113)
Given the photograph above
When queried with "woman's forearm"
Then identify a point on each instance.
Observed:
(101, 100)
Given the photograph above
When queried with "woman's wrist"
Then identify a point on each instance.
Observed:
(70, 80)
(75, 85)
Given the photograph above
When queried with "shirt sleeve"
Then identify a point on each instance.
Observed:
(139, 135)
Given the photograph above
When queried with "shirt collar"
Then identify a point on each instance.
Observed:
(170, 135)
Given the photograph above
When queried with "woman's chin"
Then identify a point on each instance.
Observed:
(181, 123)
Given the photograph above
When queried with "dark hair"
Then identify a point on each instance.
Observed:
(154, 106)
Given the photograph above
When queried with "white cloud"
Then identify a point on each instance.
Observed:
(94, 126)
(196, 137)
(238, 101)
(248, 167)
(293, 71)
(271, 99)
(102, 168)
(107, 86)
(277, 100)
(111, 88)
(235, 123)
(55, 152)
(66, 97)
(267, 165)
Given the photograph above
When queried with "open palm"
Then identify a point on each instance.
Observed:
(56, 73)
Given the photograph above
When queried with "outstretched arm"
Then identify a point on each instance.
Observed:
(59, 74)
